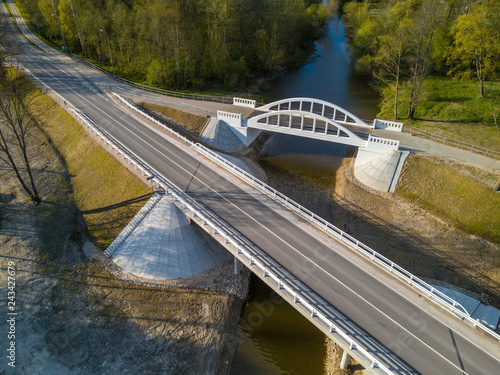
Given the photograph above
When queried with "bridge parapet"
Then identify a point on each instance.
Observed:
(389, 125)
(381, 145)
(244, 102)
(233, 119)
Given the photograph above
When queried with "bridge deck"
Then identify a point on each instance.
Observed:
(412, 331)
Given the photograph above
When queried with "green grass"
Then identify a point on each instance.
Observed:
(107, 194)
(449, 193)
(451, 108)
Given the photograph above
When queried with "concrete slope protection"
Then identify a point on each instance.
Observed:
(164, 245)
(415, 338)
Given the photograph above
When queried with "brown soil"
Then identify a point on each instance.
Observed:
(333, 358)
(415, 239)
(75, 317)
(412, 237)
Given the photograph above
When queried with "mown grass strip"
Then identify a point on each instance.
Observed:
(444, 191)
(105, 191)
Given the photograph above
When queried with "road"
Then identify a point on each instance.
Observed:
(386, 311)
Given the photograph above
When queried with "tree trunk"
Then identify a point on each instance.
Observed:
(396, 98)
(11, 162)
(36, 196)
(479, 73)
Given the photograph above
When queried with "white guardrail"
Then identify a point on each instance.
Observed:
(413, 280)
(365, 250)
(241, 246)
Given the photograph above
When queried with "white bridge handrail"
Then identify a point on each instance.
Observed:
(377, 258)
(413, 280)
(240, 244)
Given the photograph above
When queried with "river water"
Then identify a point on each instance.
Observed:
(274, 337)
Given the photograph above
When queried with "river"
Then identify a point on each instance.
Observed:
(274, 337)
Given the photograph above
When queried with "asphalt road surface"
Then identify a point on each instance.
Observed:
(417, 341)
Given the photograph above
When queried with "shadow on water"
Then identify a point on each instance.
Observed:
(275, 338)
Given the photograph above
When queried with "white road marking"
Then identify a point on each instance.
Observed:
(59, 69)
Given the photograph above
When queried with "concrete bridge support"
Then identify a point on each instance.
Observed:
(236, 266)
(345, 360)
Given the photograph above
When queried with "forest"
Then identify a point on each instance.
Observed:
(184, 44)
(401, 42)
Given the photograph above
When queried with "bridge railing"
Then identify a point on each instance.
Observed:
(175, 94)
(452, 142)
(242, 102)
(231, 118)
(389, 125)
(381, 144)
(365, 250)
(244, 249)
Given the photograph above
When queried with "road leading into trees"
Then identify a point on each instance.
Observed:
(415, 335)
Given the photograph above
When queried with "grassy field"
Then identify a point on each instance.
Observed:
(190, 121)
(107, 194)
(451, 108)
(449, 192)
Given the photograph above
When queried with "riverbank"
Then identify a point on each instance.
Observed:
(409, 234)
(76, 317)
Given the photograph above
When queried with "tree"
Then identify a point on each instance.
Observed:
(17, 103)
(426, 21)
(475, 46)
(393, 47)
(390, 60)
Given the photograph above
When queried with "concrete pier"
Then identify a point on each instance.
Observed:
(345, 360)
(236, 266)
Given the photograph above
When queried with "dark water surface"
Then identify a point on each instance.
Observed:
(274, 337)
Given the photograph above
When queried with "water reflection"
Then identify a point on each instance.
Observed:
(330, 77)
(275, 338)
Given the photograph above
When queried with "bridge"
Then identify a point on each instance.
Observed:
(383, 316)
(378, 162)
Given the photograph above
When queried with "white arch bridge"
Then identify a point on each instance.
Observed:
(318, 119)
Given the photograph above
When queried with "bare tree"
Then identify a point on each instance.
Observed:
(18, 103)
(18, 109)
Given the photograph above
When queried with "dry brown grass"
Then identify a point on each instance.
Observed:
(190, 121)
(105, 192)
